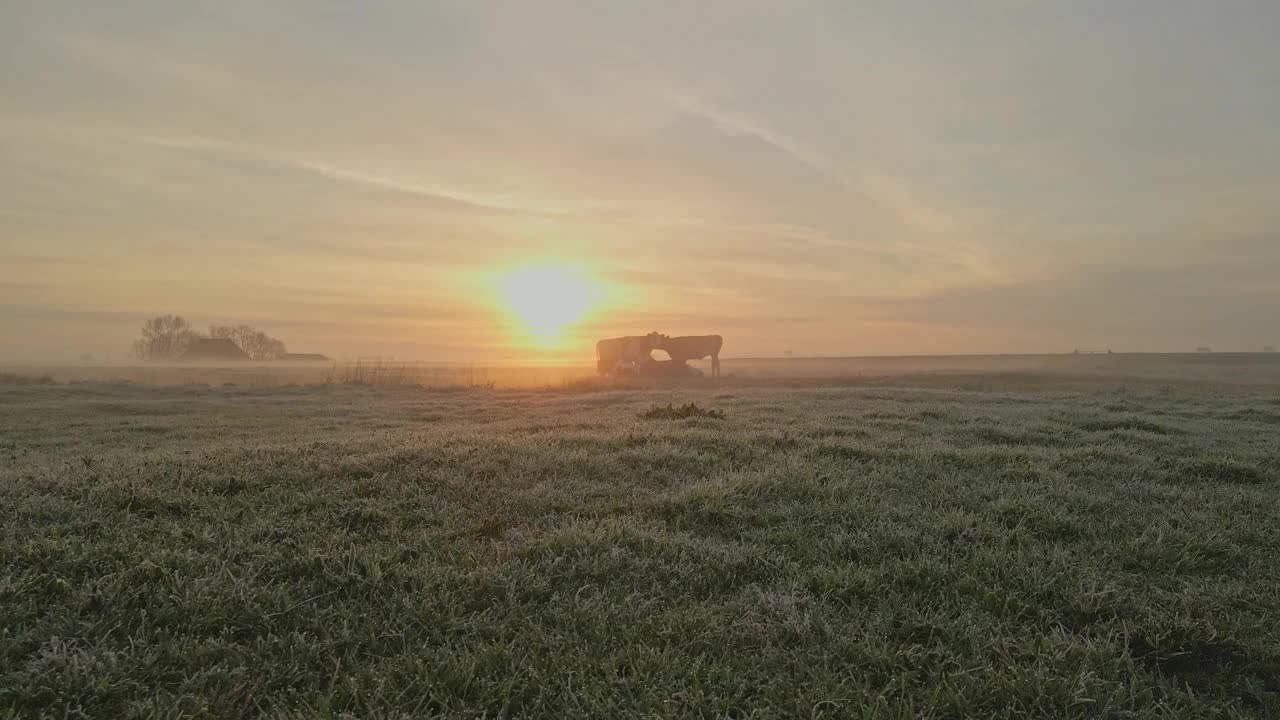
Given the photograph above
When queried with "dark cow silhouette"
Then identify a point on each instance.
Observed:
(612, 352)
(636, 351)
(694, 347)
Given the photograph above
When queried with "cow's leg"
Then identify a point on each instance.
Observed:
(715, 364)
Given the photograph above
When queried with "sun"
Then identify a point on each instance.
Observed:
(548, 299)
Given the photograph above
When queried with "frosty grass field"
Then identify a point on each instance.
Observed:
(1044, 542)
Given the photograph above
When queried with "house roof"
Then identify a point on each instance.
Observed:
(309, 357)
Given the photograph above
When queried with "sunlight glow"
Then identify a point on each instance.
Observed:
(546, 300)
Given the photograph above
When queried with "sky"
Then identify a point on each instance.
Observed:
(826, 178)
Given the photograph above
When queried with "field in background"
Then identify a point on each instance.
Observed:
(1199, 367)
(937, 542)
(279, 374)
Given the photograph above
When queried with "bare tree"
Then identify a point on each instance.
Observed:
(163, 338)
(255, 343)
(276, 349)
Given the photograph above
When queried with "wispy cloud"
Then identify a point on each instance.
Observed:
(450, 199)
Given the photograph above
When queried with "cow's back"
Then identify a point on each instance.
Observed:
(694, 347)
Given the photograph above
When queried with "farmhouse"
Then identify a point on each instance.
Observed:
(213, 350)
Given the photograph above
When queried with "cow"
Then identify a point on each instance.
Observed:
(629, 349)
(693, 347)
(609, 354)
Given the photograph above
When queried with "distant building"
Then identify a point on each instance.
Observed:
(303, 357)
(213, 350)
(1268, 348)
(1204, 348)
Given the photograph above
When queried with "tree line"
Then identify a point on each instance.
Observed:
(166, 337)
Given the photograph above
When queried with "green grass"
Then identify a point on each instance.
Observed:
(1068, 550)
(8, 378)
(671, 411)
